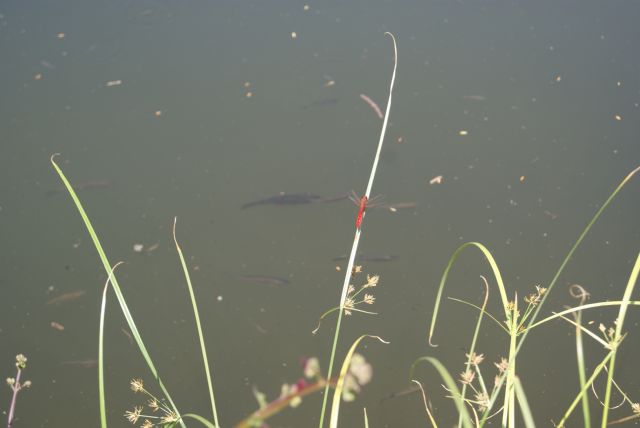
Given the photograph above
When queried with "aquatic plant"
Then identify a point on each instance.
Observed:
(356, 238)
(171, 415)
(518, 325)
(16, 386)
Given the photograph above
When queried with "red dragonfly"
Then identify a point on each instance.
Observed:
(362, 204)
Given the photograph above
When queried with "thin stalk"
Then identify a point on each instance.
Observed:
(584, 389)
(474, 340)
(356, 239)
(12, 407)
(582, 375)
(617, 338)
(198, 325)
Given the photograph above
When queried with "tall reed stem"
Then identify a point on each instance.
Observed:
(356, 239)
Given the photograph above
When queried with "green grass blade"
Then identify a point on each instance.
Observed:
(101, 392)
(198, 325)
(524, 405)
(584, 389)
(200, 419)
(580, 361)
(366, 419)
(575, 246)
(491, 317)
(114, 282)
(617, 338)
(443, 280)
(337, 395)
(356, 239)
(451, 386)
(583, 307)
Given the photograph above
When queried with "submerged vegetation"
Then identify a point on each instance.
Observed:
(477, 396)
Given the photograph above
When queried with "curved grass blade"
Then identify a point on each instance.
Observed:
(198, 325)
(356, 239)
(337, 395)
(200, 419)
(452, 259)
(116, 288)
(581, 308)
(491, 317)
(451, 386)
(101, 394)
(426, 405)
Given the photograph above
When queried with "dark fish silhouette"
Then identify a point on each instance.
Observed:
(66, 297)
(370, 258)
(321, 103)
(293, 199)
(266, 279)
(87, 364)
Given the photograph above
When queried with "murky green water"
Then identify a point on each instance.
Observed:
(150, 96)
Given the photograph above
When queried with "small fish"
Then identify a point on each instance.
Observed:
(321, 103)
(400, 206)
(411, 390)
(66, 297)
(266, 280)
(293, 199)
(87, 185)
(47, 64)
(474, 97)
(86, 364)
(370, 258)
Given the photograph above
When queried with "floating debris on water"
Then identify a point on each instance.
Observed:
(373, 105)
(436, 180)
(111, 83)
(57, 326)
